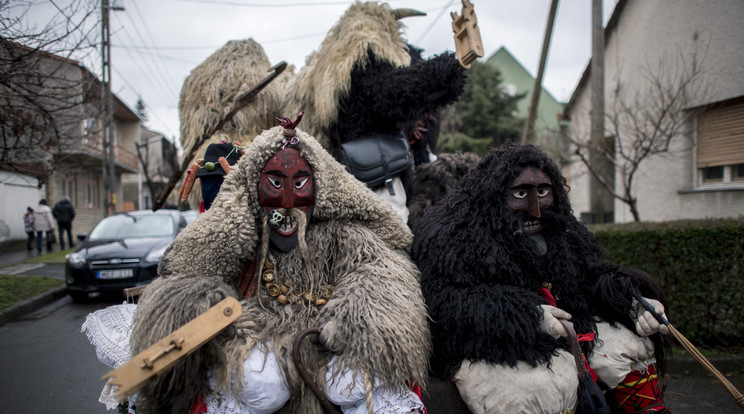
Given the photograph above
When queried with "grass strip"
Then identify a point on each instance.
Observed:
(14, 289)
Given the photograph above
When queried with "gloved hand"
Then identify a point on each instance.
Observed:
(645, 323)
(327, 337)
(550, 323)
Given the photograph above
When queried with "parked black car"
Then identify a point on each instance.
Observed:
(122, 251)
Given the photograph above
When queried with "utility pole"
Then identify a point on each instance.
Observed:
(599, 201)
(108, 132)
(528, 135)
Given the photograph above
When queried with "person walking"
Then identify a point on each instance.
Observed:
(28, 226)
(43, 223)
(64, 212)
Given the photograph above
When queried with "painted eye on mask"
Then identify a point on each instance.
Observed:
(519, 194)
(276, 183)
(543, 192)
(301, 182)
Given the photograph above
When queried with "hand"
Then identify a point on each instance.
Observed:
(645, 323)
(327, 337)
(550, 323)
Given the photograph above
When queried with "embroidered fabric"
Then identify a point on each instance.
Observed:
(347, 391)
(108, 330)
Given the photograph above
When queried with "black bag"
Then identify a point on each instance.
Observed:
(51, 239)
(377, 159)
(590, 399)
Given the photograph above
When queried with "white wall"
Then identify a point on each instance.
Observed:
(646, 32)
(17, 191)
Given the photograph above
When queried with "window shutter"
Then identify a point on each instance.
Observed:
(720, 135)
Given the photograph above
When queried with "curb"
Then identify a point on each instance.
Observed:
(31, 304)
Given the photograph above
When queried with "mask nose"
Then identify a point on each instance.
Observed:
(287, 200)
(533, 207)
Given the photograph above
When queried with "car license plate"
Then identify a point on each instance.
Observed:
(114, 274)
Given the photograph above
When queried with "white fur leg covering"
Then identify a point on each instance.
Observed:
(488, 388)
(618, 352)
(346, 389)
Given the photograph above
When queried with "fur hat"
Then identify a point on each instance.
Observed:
(326, 78)
(213, 154)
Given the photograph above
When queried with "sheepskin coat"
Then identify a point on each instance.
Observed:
(354, 241)
(362, 80)
(481, 276)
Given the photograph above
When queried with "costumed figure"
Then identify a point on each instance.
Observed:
(213, 88)
(503, 261)
(211, 170)
(362, 85)
(302, 244)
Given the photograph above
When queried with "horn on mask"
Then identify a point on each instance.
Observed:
(401, 13)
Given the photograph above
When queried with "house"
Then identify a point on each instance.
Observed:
(56, 127)
(158, 157)
(650, 45)
(517, 80)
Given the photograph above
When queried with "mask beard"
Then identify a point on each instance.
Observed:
(286, 244)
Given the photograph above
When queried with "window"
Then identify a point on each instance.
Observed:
(737, 172)
(68, 187)
(712, 174)
(91, 191)
(720, 144)
(89, 126)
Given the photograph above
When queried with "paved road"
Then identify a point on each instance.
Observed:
(48, 366)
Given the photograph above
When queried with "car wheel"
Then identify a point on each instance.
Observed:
(79, 297)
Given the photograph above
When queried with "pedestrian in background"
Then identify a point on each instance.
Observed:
(28, 226)
(64, 212)
(43, 223)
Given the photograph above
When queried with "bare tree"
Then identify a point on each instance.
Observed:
(643, 125)
(44, 91)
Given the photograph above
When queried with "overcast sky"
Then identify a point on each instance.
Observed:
(156, 43)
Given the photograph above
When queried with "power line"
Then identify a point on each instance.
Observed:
(431, 25)
(164, 80)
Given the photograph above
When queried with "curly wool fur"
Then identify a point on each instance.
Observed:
(480, 277)
(432, 181)
(355, 241)
(326, 77)
(361, 80)
(211, 89)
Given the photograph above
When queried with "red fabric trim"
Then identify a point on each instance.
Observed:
(545, 293)
(585, 337)
(640, 392)
(200, 406)
(417, 390)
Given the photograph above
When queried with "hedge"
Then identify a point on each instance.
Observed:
(697, 263)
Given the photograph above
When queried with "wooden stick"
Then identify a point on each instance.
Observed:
(704, 361)
(738, 397)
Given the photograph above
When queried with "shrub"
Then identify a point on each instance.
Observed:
(697, 263)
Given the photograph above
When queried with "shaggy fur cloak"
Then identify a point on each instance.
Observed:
(433, 180)
(211, 89)
(481, 277)
(362, 80)
(354, 241)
